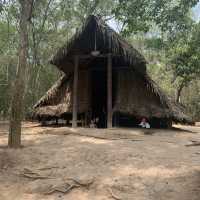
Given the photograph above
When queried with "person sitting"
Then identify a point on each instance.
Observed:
(144, 123)
(93, 124)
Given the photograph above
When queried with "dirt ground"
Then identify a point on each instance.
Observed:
(58, 163)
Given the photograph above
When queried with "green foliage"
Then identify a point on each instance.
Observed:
(154, 43)
(52, 25)
(169, 15)
(191, 99)
(185, 56)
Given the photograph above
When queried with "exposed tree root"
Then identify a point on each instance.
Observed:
(104, 138)
(114, 196)
(68, 186)
(194, 143)
(33, 175)
(65, 188)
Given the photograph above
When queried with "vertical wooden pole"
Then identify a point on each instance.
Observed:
(75, 92)
(109, 92)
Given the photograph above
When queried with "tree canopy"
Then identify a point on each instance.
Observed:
(168, 15)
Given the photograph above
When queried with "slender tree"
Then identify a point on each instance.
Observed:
(16, 114)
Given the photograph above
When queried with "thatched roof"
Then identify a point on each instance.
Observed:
(174, 110)
(52, 106)
(57, 101)
(95, 30)
(54, 111)
(179, 115)
(53, 95)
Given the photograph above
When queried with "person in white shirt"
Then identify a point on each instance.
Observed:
(144, 123)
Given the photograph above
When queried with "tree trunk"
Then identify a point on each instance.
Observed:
(16, 115)
(178, 92)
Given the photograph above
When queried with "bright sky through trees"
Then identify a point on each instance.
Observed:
(196, 12)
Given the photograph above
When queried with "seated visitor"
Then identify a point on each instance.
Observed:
(93, 123)
(144, 123)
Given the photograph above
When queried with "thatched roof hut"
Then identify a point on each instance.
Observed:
(109, 81)
(95, 34)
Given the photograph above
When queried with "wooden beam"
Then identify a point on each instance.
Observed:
(75, 92)
(109, 92)
(115, 68)
(86, 56)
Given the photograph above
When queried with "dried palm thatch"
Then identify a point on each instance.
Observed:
(178, 113)
(139, 95)
(150, 101)
(173, 110)
(136, 93)
(56, 101)
(54, 111)
(95, 34)
(56, 93)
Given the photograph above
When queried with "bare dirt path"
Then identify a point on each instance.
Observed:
(89, 164)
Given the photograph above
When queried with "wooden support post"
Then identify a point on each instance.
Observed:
(75, 92)
(109, 92)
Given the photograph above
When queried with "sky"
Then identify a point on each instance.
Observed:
(196, 12)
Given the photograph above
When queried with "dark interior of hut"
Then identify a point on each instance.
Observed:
(98, 76)
(124, 120)
(99, 97)
(98, 69)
